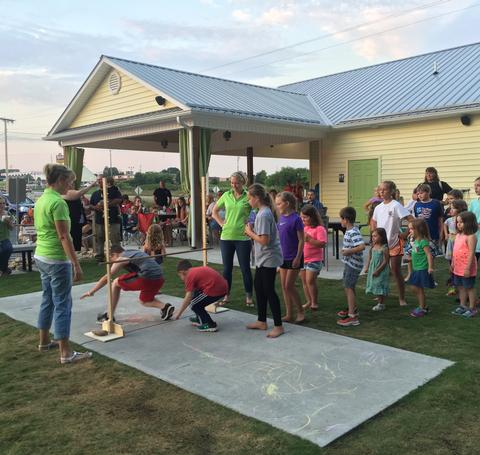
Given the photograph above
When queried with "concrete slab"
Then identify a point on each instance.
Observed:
(309, 383)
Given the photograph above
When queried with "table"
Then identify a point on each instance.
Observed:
(336, 226)
(26, 249)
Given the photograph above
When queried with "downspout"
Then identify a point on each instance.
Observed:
(193, 190)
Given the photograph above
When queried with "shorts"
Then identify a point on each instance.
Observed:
(314, 266)
(148, 288)
(287, 264)
(350, 277)
(467, 283)
(397, 250)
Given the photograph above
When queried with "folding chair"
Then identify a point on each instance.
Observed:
(145, 220)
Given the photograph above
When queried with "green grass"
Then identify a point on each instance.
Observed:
(105, 407)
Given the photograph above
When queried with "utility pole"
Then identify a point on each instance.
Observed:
(111, 171)
(5, 121)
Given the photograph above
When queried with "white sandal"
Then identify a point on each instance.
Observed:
(76, 357)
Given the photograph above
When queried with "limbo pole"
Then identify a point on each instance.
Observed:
(204, 220)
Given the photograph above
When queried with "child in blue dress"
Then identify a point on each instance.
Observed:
(378, 266)
(422, 265)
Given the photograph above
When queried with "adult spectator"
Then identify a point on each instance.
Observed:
(114, 201)
(438, 187)
(78, 216)
(162, 195)
(312, 200)
(6, 225)
(233, 238)
(54, 257)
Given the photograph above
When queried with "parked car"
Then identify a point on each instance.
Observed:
(20, 208)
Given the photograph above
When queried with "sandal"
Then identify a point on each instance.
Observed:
(76, 357)
(47, 347)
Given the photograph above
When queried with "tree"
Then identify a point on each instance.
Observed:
(261, 177)
(288, 174)
(175, 172)
(214, 181)
(108, 171)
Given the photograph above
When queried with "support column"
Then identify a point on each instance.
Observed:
(315, 166)
(250, 177)
(196, 198)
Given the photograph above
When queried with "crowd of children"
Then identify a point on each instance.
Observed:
(293, 243)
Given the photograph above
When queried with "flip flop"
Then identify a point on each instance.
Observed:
(47, 347)
(76, 357)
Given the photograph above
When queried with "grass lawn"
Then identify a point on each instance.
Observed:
(104, 407)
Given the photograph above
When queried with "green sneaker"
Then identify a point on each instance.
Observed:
(195, 321)
(207, 327)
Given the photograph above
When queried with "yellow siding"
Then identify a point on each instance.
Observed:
(132, 99)
(404, 151)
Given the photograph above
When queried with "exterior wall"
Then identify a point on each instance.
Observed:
(404, 151)
(132, 99)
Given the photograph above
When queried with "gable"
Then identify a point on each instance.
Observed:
(132, 99)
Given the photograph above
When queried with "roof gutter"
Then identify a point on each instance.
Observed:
(193, 190)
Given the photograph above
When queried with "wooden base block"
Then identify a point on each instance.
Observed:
(214, 308)
(112, 327)
(104, 339)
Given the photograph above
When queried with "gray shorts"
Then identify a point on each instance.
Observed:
(350, 277)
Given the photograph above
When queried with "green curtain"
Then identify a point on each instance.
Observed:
(73, 158)
(184, 161)
(205, 151)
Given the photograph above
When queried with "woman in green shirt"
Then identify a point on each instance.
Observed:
(233, 238)
(54, 257)
(6, 225)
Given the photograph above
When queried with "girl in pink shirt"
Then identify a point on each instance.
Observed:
(464, 264)
(313, 251)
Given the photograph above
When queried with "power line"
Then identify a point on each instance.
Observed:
(475, 5)
(328, 35)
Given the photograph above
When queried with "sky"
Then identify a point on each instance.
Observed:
(48, 48)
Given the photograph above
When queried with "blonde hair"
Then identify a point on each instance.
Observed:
(154, 240)
(239, 176)
(55, 172)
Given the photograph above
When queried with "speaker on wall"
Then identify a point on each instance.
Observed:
(466, 120)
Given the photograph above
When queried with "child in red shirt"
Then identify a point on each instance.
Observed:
(203, 286)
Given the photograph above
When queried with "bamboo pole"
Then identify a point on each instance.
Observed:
(204, 221)
(154, 256)
(109, 325)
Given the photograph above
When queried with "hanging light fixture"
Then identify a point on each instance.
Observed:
(227, 135)
(164, 143)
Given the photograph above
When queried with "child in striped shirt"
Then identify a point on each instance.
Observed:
(352, 252)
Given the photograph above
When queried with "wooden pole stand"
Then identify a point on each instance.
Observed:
(110, 330)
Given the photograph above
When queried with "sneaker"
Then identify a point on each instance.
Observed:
(195, 321)
(102, 317)
(418, 312)
(167, 311)
(342, 314)
(459, 310)
(379, 307)
(349, 321)
(451, 291)
(470, 313)
(207, 327)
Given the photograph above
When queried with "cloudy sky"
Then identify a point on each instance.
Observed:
(48, 49)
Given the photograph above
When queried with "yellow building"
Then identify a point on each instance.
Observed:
(357, 128)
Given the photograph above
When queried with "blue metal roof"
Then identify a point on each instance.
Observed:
(402, 87)
(205, 93)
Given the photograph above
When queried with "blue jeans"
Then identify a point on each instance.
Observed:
(243, 249)
(5, 253)
(56, 298)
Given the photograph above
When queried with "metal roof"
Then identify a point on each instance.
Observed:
(399, 88)
(199, 92)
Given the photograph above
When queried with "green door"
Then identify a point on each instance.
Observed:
(362, 179)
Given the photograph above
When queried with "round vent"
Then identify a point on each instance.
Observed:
(114, 83)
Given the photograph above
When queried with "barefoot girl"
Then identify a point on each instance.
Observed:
(290, 228)
(313, 250)
(268, 256)
(389, 215)
(377, 266)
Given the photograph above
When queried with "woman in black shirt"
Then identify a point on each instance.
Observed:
(438, 187)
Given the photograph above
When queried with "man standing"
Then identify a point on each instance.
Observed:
(114, 201)
(162, 195)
